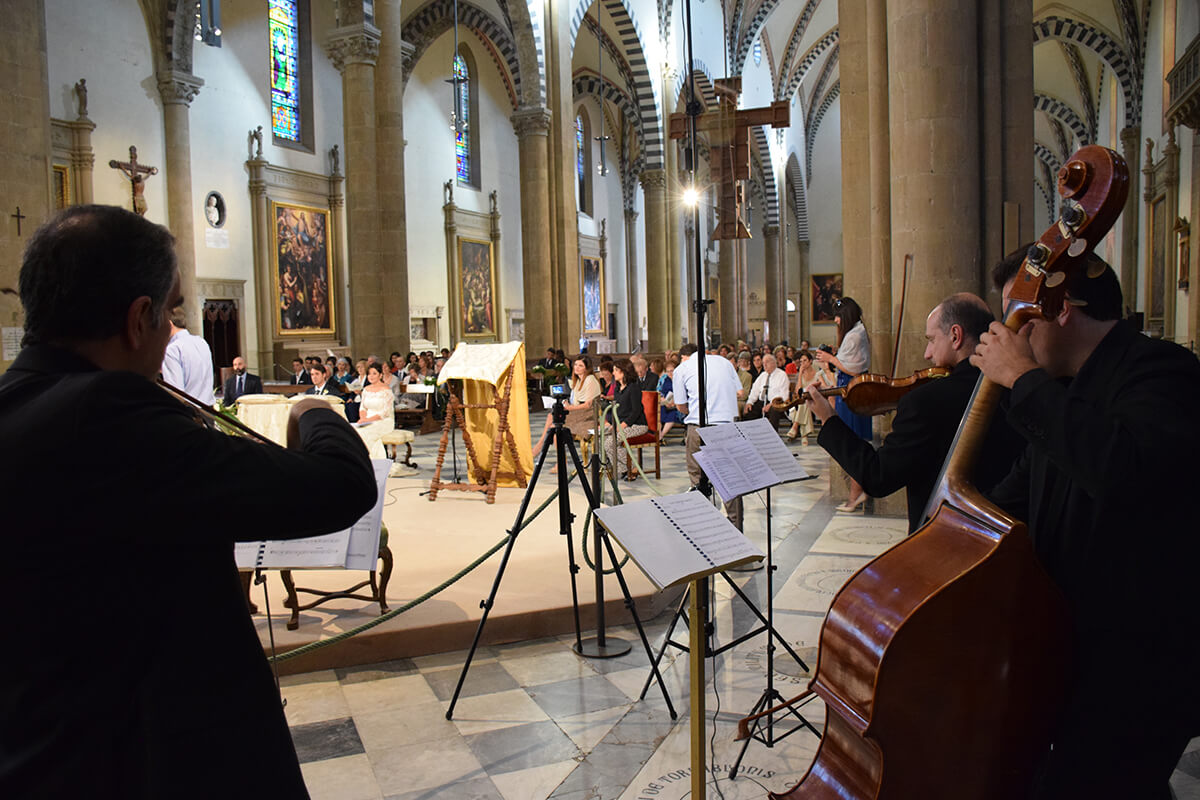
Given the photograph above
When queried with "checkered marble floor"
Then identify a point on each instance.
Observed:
(535, 720)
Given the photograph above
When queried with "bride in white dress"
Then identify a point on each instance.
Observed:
(376, 416)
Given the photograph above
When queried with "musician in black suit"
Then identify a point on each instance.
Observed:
(300, 374)
(240, 382)
(321, 383)
(1105, 485)
(146, 706)
(926, 418)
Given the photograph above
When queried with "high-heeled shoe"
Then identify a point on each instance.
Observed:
(790, 436)
(849, 508)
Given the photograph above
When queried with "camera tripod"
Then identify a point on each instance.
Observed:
(564, 443)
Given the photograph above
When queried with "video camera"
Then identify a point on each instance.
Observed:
(560, 391)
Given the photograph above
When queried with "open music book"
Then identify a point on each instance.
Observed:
(678, 538)
(744, 457)
(357, 547)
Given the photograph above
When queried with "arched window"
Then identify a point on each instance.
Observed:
(583, 162)
(466, 107)
(291, 73)
(758, 51)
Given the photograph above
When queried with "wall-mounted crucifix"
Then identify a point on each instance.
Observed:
(729, 143)
(137, 174)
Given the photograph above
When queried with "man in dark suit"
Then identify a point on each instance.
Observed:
(240, 382)
(926, 418)
(300, 374)
(1105, 486)
(156, 715)
(321, 383)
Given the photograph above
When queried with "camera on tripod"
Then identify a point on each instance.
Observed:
(560, 391)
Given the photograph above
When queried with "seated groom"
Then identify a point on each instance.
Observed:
(321, 383)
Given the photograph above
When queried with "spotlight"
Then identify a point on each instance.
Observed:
(691, 196)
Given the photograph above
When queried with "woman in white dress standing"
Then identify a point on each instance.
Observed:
(376, 415)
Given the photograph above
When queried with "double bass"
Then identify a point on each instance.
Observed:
(942, 662)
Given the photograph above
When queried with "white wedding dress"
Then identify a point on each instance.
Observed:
(376, 404)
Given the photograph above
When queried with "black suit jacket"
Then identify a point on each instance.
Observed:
(252, 385)
(304, 378)
(331, 387)
(151, 706)
(912, 454)
(1106, 487)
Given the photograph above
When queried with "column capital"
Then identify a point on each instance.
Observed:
(353, 44)
(177, 87)
(1130, 138)
(531, 121)
(653, 179)
(770, 230)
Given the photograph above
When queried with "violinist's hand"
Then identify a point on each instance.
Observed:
(1004, 356)
(820, 403)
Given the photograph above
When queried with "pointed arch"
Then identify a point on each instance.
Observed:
(646, 88)
(768, 167)
(1097, 41)
(796, 181)
(810, 57)
(704, 85)
(435, 18)
(758, 21)
(810, 135)
(1062, 111)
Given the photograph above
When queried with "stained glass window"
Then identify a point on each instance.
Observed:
(462, 133)
(285, 79)
(580, 167)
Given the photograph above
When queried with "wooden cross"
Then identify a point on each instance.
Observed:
(18, 217)
(729, 143)
(137, 174)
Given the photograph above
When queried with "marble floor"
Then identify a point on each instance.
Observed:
(534, 720)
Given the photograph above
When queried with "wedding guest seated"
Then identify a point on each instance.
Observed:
(354, 388)
(630, 412)
(647, 380)
(744, 375)
(300, 374)
(668, 415)
(608, 386)
(581, 418)
(771, 385)
(240, 382)
(807, 374)
(342, 373)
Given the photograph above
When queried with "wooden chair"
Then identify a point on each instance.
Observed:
(650, 406)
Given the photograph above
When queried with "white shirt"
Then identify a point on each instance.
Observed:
(855, 350)
(721, 383)
(769, 386)
(187, 365)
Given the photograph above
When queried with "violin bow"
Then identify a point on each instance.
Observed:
(900, 318)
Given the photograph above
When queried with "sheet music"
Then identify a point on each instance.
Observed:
(357, 545)
(761, 434)
(677, 538)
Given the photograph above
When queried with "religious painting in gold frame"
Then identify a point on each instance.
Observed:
(826, 291)
(591, 282)
(303, 270)
(476, 289)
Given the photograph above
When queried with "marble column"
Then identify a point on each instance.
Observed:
(532, 124)
(1131, 147)
(776, 301)
(856, 134)
(632, 312)
(265, 283)
(83, 157)
(354, 50)
(654, 191)
(177, 90)
(878, 307)
(727, 285)
(673, 211)
(389, 132)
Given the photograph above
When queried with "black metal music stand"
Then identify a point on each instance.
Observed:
(564, 443)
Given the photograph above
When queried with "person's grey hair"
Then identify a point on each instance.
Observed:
(771, 358)
(968, 312)
(84, 267)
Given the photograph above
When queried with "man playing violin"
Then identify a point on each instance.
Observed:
(112, 694)
(1108, 416)
(926, 418)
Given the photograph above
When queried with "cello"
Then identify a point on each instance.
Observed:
(942, 662)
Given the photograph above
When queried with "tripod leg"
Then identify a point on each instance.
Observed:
(486, 605)
(637, 621)
(565, 518)
(771, 631)
(763, 702)
(680, 613)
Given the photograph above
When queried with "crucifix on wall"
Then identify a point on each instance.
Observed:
(729, 142)
(137, 174)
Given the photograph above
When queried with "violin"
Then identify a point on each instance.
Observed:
(871, 395)
(943, 662)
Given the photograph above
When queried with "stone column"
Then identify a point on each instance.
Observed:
(803, 298)
(632, 313)
(654, 191)
(1131, 148)
(393, 226)
(776, 301)
(1194, 248)
(354, 49)
(856, 133)
(879, 310)
(532, 124)
(265, 282)
(672, 210)
(727, 285)
(178, 89)
(83, 159)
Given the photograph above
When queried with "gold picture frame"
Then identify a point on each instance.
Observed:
(302, 267)
(476, 289)
(826, 290)
(591, 294)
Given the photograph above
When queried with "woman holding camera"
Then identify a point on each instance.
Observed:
(584, 391)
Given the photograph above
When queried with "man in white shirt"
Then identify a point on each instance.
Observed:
(187, 364)
(771, 384)
(722, 388)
